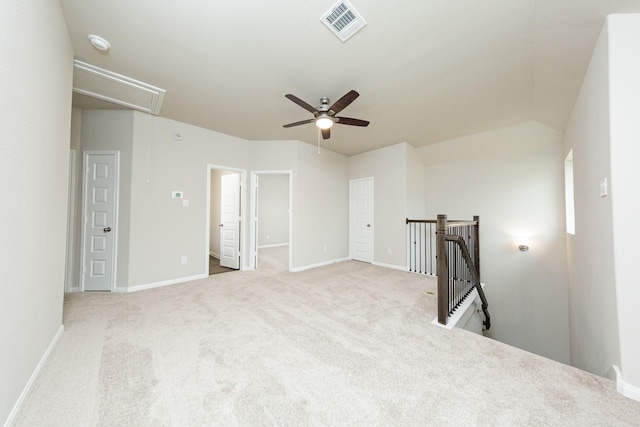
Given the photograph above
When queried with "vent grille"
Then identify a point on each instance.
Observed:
(343, 20)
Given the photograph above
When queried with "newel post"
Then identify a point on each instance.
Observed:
(442, 269)
(476, 250)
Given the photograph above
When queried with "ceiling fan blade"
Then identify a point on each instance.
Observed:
(301, 122)
(351, 122)
(301, 103)
(343, 102)
(326, 133)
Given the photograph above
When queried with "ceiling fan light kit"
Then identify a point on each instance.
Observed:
(324, 116)
(324, 122)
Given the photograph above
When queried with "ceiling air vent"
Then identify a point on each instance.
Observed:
(122, 90)
(343, 20)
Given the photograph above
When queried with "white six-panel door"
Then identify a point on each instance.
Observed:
(230, 221)
(361, 219)
(99, 210)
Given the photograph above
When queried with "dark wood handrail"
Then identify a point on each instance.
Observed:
(473, 265)
(476, 276)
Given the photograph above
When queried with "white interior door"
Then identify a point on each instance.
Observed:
(99, 210)
(361, 219)
(230, 221)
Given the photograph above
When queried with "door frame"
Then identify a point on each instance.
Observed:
(253, 232)
(371, 219)
(243, 210)
(71, 282)
(84, 218)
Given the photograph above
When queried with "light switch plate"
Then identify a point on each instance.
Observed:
(604, 190)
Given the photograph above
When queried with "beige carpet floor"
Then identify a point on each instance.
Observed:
(348, 344)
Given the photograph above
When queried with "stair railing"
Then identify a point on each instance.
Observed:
(449, 250)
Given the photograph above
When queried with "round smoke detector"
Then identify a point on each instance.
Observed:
(99, 43)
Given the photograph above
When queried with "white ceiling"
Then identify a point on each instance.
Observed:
(426, 70)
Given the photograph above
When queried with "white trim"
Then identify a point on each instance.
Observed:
(628, 390)
(34, 376)
(71, 220)
(277, 245)
(124, 289)
(243, 216)
(458, 317)
(253, 232)
(320, 264)
(116, 207)
(371, 219)
(215, 255)
(100, 76)
(392, 266)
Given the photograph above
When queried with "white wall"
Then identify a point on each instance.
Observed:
(603, 133)
(35, 114)
(515, 184)
(273, 210)
(388, 167)
(161, 229)
(593, 311)
(320, 207)
(625, 177)
(111, 130)
(416, 184)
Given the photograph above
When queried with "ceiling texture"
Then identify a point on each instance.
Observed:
(426, 70)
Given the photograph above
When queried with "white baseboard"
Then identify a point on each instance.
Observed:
(628, 390)
(392, 266)
(215, 255)
(34, 376)
(273, 246)
(320, 264)
(159, 284)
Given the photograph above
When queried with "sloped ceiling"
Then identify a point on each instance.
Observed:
(426, 71)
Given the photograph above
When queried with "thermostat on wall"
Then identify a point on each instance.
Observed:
(177, 194)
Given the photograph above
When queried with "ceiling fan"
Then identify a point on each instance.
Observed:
(325, 115)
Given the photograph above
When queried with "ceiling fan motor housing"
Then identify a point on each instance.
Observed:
(324, 104)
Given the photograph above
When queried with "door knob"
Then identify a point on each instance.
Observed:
(221, 225)
(107, 229)
(368, 225)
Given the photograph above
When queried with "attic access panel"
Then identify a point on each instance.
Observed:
(115, 88)
(343, 20)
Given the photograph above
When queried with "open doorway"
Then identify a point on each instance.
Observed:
(271, 222)
(225, 219)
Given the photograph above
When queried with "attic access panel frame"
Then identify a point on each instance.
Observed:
(112, 87)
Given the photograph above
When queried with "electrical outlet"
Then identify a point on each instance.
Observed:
(324, 249)
(183, 260)
(389, 251)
